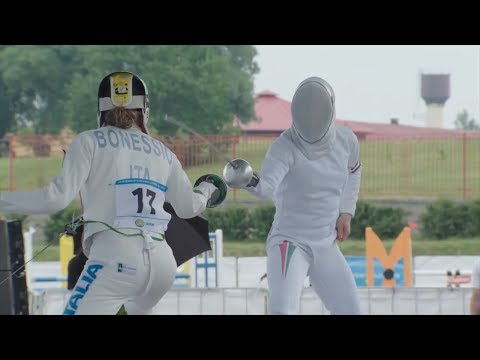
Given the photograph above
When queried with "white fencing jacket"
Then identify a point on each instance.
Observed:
(310, 194)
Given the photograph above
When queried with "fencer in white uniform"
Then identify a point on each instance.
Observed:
(475, 296)
(312, 174)
(123, 176)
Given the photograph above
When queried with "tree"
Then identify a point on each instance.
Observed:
(34, 78)
(244, 67)
(201, 86)
(464, 122)
(6, 112)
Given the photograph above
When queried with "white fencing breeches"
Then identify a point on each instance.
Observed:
(121, 271)
(329, 273)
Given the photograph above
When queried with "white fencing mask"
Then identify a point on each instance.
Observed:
(313, 109)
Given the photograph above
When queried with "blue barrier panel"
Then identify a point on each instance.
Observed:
(358, 264)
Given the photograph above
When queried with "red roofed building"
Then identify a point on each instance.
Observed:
(274, 116)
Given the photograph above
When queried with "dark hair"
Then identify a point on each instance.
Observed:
(122, 117)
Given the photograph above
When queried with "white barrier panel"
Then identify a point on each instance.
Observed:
(254, 301)
(28, 248)
(207, 267)
(212, 302)
(244, 272)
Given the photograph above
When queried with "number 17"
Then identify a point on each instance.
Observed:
(139, 192)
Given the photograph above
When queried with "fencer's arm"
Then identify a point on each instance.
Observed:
(187, 202)
(475, 296)
(475, 302)
(274, 168)
(61, 190)
(348, 202)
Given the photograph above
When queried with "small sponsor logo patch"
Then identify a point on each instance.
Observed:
(122, 268)
(139, 223)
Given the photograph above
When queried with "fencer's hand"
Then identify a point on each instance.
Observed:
(215, 194)
(254, 181)
(214, 197)
(343, 226)
(213, 187)
(206, 188)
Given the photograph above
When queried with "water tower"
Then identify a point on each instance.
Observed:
(435, 93)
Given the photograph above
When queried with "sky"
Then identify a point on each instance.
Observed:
(375, 83)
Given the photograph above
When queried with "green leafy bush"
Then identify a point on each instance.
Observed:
(473, 222)
(261, 219)
(57, 221)
(445, 218)
(362, 219)
(240, 223)
(233, 220)
(386, 221)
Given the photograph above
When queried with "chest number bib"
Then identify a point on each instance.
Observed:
(139, 204)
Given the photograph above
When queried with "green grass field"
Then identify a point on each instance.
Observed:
(391, 169)
(350, 247)
(421, 168)
(357, 248)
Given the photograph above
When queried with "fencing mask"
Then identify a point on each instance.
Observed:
(313, 109)
(123, 89)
